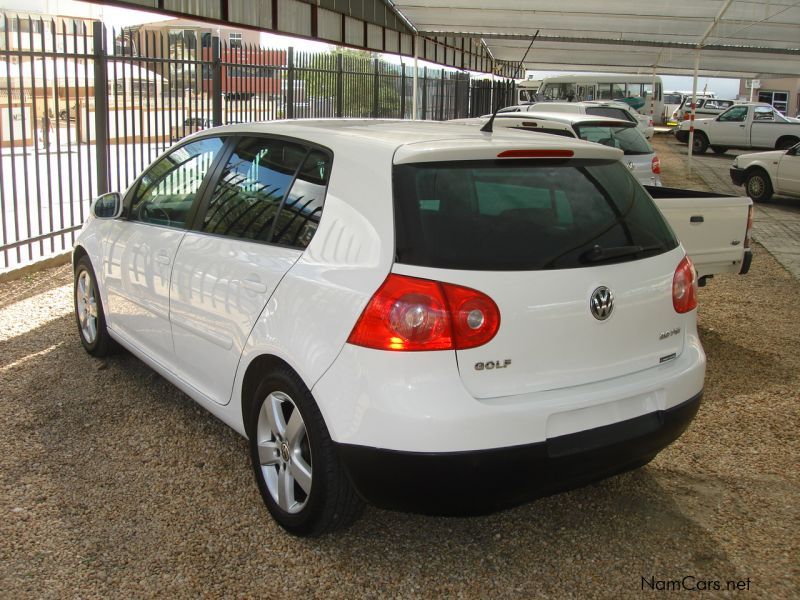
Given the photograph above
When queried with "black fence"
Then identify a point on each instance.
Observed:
(84, 109)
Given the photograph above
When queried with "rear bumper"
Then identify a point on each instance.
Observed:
(737, 175)
(482, 481)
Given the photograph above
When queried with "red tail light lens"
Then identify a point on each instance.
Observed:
(411, 314)
(684, 287)
(655, 165)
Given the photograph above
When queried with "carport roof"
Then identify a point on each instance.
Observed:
(737, 38)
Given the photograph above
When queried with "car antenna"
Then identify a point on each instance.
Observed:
(488, 127)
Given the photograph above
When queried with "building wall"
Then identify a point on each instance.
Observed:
(791, 85)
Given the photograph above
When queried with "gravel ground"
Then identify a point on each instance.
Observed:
(114, 483)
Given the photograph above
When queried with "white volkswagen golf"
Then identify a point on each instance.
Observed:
(422, 315)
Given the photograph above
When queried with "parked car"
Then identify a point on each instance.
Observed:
(705, 107)
(190, 125)
(766, 173)
(639, 155)
(420, 314)
(750, 125)
(597, 108)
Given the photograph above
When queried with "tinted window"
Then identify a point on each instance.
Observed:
(628, 139)
(525, 215)
(252, 187)
(298, 219)
(168, 188)
(672, 98)
(610, 111)
(735, 114)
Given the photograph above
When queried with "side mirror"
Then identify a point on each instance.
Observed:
(107, 206)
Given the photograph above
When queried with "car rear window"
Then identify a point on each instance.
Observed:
(628, 139)
(524, 215)
(611, 112)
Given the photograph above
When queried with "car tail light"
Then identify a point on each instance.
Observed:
(750, 215)
(684, 287)
(411, 314)
(655, 165)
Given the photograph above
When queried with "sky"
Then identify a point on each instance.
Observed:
(122, 17)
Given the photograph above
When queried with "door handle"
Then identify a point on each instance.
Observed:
(254, 286)
(696, 219)
(741, 125)
(162, 257)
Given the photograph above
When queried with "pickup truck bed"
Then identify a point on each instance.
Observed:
(713, 228)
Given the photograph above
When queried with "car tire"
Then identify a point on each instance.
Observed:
(89, 314)
(758, 186)
(700, 144)
(297, 468)
(719, 149)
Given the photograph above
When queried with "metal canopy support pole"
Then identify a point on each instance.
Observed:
(653, 97)
(416, 77)
(694, 103)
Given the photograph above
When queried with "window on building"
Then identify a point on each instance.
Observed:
(779, 100)
(235, 40)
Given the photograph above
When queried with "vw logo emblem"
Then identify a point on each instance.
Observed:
(601, 304)
(631, 166)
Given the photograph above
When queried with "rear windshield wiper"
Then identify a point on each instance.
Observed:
(598, 253)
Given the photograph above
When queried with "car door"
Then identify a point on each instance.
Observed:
(251, 228)
(139, 250)
(788, 180)
(730, 128)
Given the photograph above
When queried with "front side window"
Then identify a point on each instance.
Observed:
(735, 114)
(168, 189)
(523, 215)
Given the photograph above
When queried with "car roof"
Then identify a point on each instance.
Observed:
(410, 140)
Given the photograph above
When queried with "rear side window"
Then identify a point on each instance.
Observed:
(270, 190)
(524, 215)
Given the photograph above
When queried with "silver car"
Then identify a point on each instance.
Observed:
(639, 155)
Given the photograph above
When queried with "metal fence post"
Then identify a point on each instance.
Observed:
(290, 85)
(101, 107)
(216, 82)
(375, 87)
(339, 85)
(441, 97)
(424, 93)
(403, 91)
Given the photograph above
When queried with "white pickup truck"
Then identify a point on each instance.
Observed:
(750, 125)
(767, 173)
(713, 228)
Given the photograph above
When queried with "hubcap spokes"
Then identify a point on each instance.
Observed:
(86, 304)
(284, 452)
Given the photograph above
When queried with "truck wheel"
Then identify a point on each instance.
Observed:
(785, 143)
(719, 149)
(700, 143)
(758, 186)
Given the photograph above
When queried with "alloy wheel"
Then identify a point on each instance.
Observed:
(284, 452)
(86, 305)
